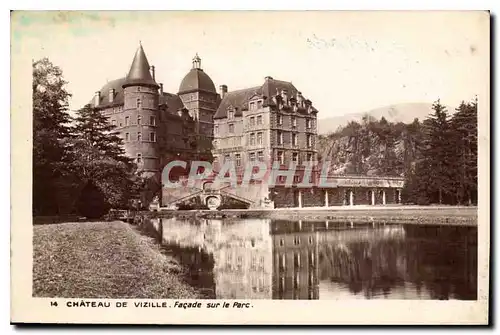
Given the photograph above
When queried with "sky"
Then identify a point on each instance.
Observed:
(344, 62)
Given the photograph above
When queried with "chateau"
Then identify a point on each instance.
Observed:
(273, 123)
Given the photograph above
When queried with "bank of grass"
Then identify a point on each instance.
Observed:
(103, 260)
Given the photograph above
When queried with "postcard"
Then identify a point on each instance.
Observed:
(260, 167)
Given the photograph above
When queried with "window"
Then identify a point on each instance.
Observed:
(281, 157)
(127, 120)
(294, 121)
(113, 123)
(227, 158)
(252, 139)
(281, 179)
(139, 158)
(296, 179)
(259, 104)
(280, 138)
(259, 119)
(252, 121)
(259, 138)
(294, 139)
(309, 157)
(238, 159)
(152, 120)
(139, 136)
(139, 119)
(260, 156)
(127, 137)
(138, 103)
(295, 157)
(152, 137)
(310, 239)
(216, 129)
(231, 128)
(308, 123)
(296, 260)
(252, 156)
(138, 88)
(309, 141)
(216, 159)
(252, 106)
(279, 119)
(296, 240)
(230, 115)
(282, 241)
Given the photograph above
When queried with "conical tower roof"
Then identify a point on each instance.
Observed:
(139, 71)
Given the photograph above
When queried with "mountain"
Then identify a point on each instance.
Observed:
(404, 112)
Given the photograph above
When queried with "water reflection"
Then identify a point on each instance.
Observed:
(264, 259)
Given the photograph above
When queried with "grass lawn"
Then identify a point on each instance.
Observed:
(102, 260)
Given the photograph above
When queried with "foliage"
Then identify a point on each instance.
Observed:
(92, 202)
(68, 152)
(50, 133)
(437, 157)
(99, 156)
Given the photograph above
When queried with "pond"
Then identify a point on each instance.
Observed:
(269, 259)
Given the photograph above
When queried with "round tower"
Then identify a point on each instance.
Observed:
(141, 115)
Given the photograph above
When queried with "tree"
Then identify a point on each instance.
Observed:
(92, 202)
(464, 128)
(99, 156)
(50, 134)
(434, 170)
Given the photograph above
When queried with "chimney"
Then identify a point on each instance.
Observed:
(97, 98)
(161, 88)
(223, 91)
(111, 95)
(152, 67)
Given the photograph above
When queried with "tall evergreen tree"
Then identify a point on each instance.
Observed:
(434, 168)
(50, 134)
(464, 128)
(99, 156)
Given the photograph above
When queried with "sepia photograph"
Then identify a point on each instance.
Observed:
(244, 163)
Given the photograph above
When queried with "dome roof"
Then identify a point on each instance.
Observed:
(197, 79)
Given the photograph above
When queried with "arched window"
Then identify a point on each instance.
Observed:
(139, 136)
(139, 119)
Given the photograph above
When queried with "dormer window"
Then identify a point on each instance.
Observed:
(230, 114)
(252, 106)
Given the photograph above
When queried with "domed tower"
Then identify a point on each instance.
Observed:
(197, 92)
(140, 113)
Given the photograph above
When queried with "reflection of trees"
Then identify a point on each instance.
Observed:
(446, 265)
(439, 260)
(370, 267)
